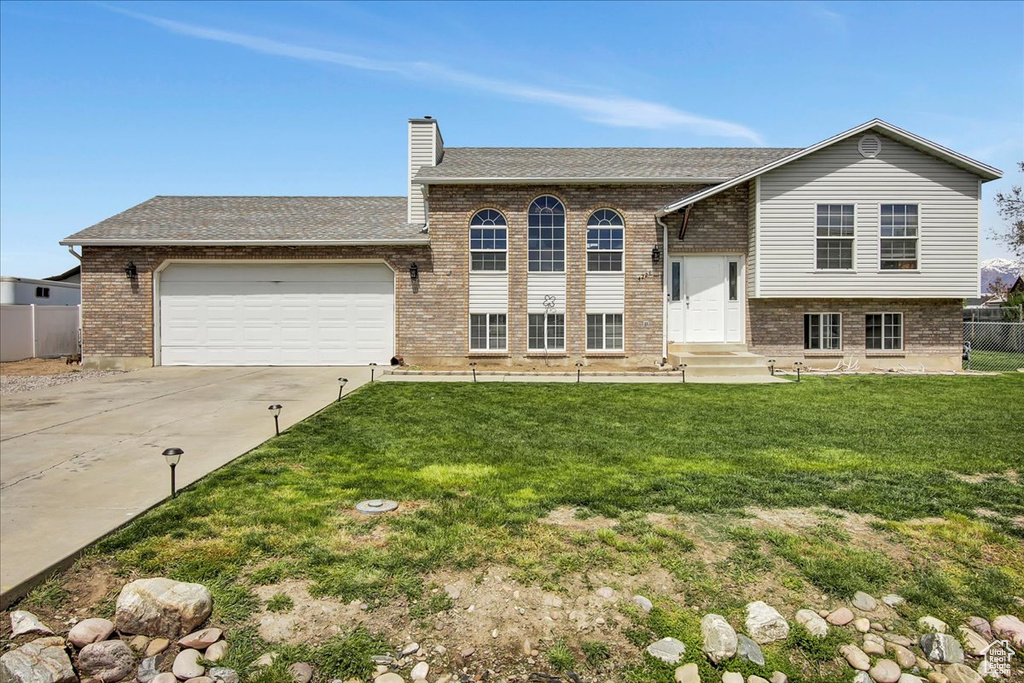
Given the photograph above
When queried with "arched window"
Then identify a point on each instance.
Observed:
(488, 241)
(546, 235)
(604, 242)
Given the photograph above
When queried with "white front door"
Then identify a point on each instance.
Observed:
(704, 299)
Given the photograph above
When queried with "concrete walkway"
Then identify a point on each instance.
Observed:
(568, 377)
(78, 461)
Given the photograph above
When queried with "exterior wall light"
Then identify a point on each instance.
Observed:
(275, 410)
(656, 254)
(130, 271)
(341, 386)
(173, 456)
(414, 271)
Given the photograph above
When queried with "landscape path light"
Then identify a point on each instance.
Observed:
(682, 368)
(771, 366)
(798, 365)
(473, 365)
(579, 369)
(275, 410)
(173, 456)
(341, 386)
(373, 367)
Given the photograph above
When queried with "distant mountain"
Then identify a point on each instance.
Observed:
(1006, 269)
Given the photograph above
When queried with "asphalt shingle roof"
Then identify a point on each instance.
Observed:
(613, 163)
(255, 219)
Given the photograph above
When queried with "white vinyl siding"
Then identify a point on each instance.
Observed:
(488, 292)
(947, 247)
(753, 194)
(425, 148)
(606, 292)
(545, 292)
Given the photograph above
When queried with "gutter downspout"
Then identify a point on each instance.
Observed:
(71, 249)
(81, 340)
(664, 287)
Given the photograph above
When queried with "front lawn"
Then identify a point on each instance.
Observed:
(702, 497)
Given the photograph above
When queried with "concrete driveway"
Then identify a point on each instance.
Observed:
(78, 461)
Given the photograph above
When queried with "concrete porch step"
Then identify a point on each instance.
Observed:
(720, 362)
(678, 347)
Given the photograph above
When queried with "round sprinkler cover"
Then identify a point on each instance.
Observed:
(374, 507)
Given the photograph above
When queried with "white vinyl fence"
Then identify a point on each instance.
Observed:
(29, 331)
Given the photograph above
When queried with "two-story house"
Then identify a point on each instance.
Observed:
(860, 247)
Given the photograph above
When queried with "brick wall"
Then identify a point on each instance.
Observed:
(717, 225)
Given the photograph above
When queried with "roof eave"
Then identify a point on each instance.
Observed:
(568, 180)
(115, 242)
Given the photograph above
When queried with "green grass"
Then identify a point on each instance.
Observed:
(476, 465)
(999, 361)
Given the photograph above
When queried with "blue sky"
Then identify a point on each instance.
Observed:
(103, 105)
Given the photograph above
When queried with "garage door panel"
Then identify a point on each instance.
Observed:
(276, 314)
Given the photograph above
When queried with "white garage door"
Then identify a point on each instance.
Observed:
(276, 314)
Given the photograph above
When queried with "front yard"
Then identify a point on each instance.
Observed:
(519, 501)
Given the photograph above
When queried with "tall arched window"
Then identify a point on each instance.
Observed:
(604, 242)
(546, 235)
(488, 241)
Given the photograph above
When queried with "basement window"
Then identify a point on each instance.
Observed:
(604, 332)
(823, 332)
(883, 331)
(546, 332)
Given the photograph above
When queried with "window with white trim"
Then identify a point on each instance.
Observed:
(898, 248)
(834, 231)
(488, 241)
(546, 331)
(823, 332)
(883, 331)
(604, 332)
(546, 235)
(604, 242)
(488, 331)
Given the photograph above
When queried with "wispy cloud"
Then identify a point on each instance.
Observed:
(829, 17)
(607, 109)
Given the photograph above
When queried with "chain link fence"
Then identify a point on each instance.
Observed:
(997, 346)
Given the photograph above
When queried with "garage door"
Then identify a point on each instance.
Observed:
(276, 314)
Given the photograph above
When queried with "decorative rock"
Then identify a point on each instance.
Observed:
(1010, 628)
(855, 657)
(960, 673)
(862, 677)
(687, 673)
(301, 672)
(216, 652)
(873, 646)
(893, 600)
(981, 627)
(778, 677)
(147, 670)
(108, 660)
(156, 646)
(862, 625)
(643, 603)
(44, 660)
(765, 624)
(814, 624)
(749, 650)
(222, 674)
(668, 650)
(942, 648)
(923, 664)
(467, 652)
(719, 638)
(186, 665)
(389, 678)
(840, 617)
(162, 607)
(410, 649)
(200, 679)
(885, 671)
(932, 624)
(90, 631)
(936, 677)
(864, 602)
(904, 657)
(605, 592)
(23, 622)
(897, 639)
(756, 679)
(200, 640)
(973, 643)
(165, 678)
(420, 671)
(910, 678)
(732, 677)
(138, 644)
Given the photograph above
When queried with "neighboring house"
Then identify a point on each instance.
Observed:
(59, 290)
(39, 318)
(861, 246)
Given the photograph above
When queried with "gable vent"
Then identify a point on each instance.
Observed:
(869, 146)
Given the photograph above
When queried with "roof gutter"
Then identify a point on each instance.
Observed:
(87, 242)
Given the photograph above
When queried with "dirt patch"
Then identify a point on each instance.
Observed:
(37, 367)
(566, 518)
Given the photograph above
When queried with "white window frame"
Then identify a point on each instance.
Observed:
(488, 322)
(547, 336)
(885, 349)
(821, 326)
(487, 251)
(852, 238)
(564, 229)
(605, 348)
(620, 252)
(916, 238)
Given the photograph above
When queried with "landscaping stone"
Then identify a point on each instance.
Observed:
(200, 679)
(389, 678)
(981, 627)
(43, 660)
(162, 607)
(864, 602)
(687, 673)
(643, 603)
(420, 671)
(897, 639)
(147, 670)
(862, 625)
(855, 657)
(893, 600)
(941, 648)
(186, 664)
(904, 657)
(216, 652)
(719, 638)
(961, 673)
(222, 674)
(923, 664)
(1009, 627)
(301, 672)
(756, 679)
(138, 644)
(23, 622)
(732, 677)
(862, 677)
(910, 678)
(936, 677)
(765, 624)
(932, 624)
(840, 617)
(165, 678)
(200, 640)
(156, 646)
(973, 643)
(814, 624)
(885, 671)
(605, 592)
(778, 677)
(410, 649)
(108, 660)
(90, 631)
(748, 650)
(873, 645)
(668, 650)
